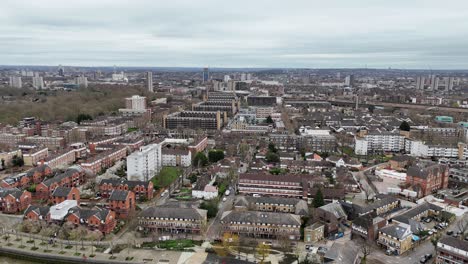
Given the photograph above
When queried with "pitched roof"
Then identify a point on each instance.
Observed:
(172, 212)
(119, 195)
(454, 242)
(85, 214)
(411, 213)
(39, 210)
(130, 184)
(15, 192)
(335, 209)
(399, 231)
(261, 218)
(61, 191)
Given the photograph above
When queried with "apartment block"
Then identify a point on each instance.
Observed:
(205, 120)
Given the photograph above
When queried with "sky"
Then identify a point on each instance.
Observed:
(405, 34)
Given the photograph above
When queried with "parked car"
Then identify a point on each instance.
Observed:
(449, 233)
(389, 252)
(224, 199)
(428, 220)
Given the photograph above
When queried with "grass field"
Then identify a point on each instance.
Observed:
(166, 177)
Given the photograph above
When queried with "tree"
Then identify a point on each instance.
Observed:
(17, 161)
(404, 126)
(371, 108)
(272, 147)
(366, 250)
(200, 160)
(211, 207)
(462, 226)
(215, 155)
(230, 241)
(318, 199)
(83, 117)
(272, 157)
(262, 251)
(269, 120)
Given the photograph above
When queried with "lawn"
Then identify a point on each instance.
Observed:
(166, 177)
(172, 244)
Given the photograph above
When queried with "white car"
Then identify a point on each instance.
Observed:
(256, 195)
(224, 199)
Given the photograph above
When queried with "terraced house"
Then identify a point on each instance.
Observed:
(100, 219)
(23, 180)
(272, 204)
(72, 177)
(172, 220)
(262, 224)
(397, 238)
(14, 200)
(122, 203)
(142, 189)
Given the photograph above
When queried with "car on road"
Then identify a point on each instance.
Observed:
(227, 192)
(256, 195)
(224, 199)
(389, 252)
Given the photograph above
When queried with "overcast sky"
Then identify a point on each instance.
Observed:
(425, 34)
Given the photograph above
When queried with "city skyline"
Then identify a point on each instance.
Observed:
(306, 34)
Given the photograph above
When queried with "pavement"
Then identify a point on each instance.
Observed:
(215, 227)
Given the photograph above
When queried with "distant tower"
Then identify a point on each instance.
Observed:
(37, 81)
(82, 81)
(357, 101)
(61, 71)
(15, 82)
(349, 81)
(149, 81)
(206, 75)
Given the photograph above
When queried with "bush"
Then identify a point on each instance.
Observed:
(215, 155)
(211, 207)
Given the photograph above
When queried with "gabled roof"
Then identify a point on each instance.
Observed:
(335, 209)
(39, 210)
(175, 213)
(400, 231)
(15, 192)
(261, 218)
(61, 191)
(454, 242)
(119, 195)
(130, 184)
(411, 213)
(85, 214)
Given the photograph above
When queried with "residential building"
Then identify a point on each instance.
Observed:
(272, 204)
(82, 81)
(261, 100)
(204, 120)
(331, 215)
(37, 82)
(413, 216)
(451, 250)
(122, 203)
(72, 177)
(100, 219)
(34, 176)
(367, 227)
(427, 177)
(266, 225)
(58, 212)
(176, 157)
(397, 238)
(105, 159)
(149, 81)
(379, 141)
(172, 220)
(143, 164)
(37, 213)
(14, 200)
(314, 233)
(61, 194)
(15, 82)
(33, 156)
(142, 189)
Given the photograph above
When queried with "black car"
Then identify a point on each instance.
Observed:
(449, 233)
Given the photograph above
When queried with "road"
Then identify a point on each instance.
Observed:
(359, 177)
(215, 227)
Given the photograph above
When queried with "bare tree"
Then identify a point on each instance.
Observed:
(462, 226)
(366, 249)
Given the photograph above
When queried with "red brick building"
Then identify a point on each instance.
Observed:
(14, 200)
(100, 219)
(61, 194)
(142, 189)
(23, 180)
(104, 159)
(72, 177)
(37, 213)
(428, 177)
(122, 203)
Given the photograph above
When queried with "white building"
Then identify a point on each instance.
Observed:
(385, 141)
(119, 77)
(59, 211)
(418, 148)
(176, 157)
(145, 163)
(360, 146)
(149, 81)
(135, 102)
(37, 82)
(82, 81)
(15, 82)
